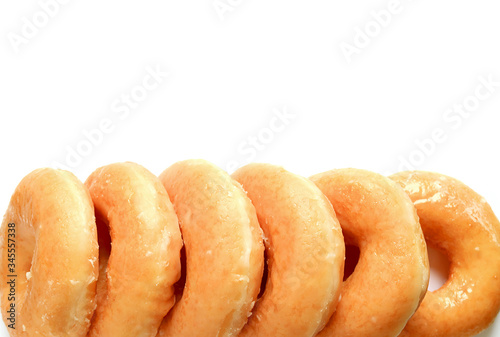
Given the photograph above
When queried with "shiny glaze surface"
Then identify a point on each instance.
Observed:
(392, 274)
(460, 223)
(305, 253)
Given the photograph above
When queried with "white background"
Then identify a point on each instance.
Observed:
(227, 78)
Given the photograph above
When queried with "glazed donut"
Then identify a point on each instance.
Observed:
(104, 258)
(135, 288)
(223, 247)
(392, 274)
(49, 257)
(305, 253)
(459, 223)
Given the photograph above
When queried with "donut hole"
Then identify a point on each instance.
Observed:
(181, 283)
(264, 276)
(104, 242)
(440, 268)
(103, 239)
(351, 260)
(24, 262)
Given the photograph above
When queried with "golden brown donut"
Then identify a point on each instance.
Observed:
(459, 223)
(135, 287)
(392, 274)
(224, 251)
(53, 244)
(305, 253)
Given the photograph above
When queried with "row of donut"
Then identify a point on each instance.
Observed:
(197, 252)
